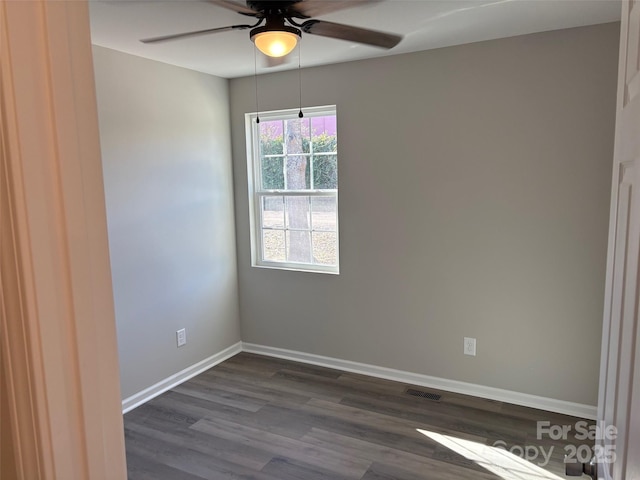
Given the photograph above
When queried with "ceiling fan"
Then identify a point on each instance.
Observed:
(281, 30)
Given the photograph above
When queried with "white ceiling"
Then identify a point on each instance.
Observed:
(425, 24)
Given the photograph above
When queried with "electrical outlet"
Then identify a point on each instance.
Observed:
(181, 337)
(470, 346)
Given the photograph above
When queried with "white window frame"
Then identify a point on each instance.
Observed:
(256, 194)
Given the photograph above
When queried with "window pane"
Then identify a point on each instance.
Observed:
(299, 246)
(325, 248)
(325, 124)
(298, 238)
(297, 213)
(273, 245)
(272, 173)
(297, 172)
(325, 143)
(271, 137)
(273, 212)
(296, 135)
(325, 172)
(324, 134)
(323, 211)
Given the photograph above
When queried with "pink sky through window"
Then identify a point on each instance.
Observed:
(319, 125)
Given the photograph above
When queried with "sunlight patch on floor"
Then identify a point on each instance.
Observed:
(494, 459)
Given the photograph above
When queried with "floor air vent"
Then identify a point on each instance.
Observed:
(419, 393)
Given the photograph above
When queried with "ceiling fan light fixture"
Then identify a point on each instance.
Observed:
(275, 43)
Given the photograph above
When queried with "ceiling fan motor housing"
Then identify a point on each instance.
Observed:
(274, 23)
(271, 7)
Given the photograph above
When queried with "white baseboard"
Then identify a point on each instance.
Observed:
(517, 398)
(168, 383)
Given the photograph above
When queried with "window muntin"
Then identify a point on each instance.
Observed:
(293, 189)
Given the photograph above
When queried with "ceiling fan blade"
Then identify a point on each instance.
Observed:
(352, 34)
(315, 8)
(176, 36)
(236, 7)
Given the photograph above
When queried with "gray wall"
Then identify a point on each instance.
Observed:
(474, 194)
(167, 170)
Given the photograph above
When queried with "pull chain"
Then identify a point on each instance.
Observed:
(300, 114)
(255, 77)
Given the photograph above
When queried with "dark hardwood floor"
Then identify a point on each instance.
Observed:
(254, 417)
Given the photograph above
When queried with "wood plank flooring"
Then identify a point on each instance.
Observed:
(254, 417)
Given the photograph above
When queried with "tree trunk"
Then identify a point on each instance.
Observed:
(297, 207)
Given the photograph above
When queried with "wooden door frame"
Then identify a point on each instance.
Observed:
(59, 351)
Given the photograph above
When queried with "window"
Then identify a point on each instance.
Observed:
(293, 189)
